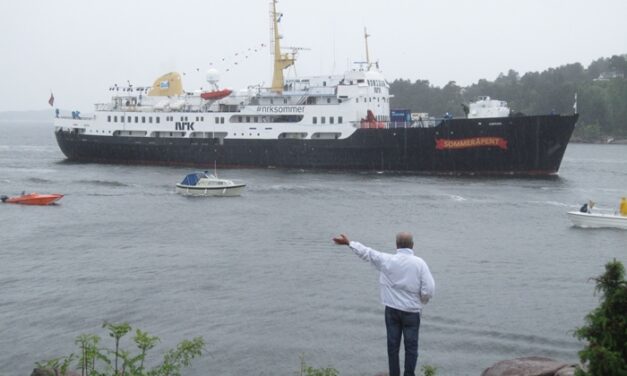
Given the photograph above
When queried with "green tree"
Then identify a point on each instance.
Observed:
(601, 104)
(605, 354)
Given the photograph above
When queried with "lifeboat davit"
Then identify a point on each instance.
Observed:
(33, 199)
(216, 94)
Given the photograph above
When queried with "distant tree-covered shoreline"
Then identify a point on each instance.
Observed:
(601, 90)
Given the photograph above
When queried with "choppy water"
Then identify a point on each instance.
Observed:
(258, 277)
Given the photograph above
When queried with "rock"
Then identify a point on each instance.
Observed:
(50, 372)
(529, 366)
(566, 371)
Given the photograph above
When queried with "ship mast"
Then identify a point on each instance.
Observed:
(281, 60)
(366, 35)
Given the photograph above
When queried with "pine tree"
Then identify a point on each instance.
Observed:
(606, 327)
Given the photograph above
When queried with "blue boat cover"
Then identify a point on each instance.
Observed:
(192, 179)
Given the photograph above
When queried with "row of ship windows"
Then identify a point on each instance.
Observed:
(157, 119)
(376, 83)
(370, 99)
(213, 135)
(323, 120)
(218, 120)
(129, 119)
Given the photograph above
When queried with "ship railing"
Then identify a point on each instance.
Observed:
(396, 124)
(103, 106)
(74, 115)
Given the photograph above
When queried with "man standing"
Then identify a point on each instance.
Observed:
(406, 285)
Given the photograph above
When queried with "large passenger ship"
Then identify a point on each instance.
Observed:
(320, 122)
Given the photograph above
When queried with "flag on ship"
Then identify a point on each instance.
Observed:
(51, 100)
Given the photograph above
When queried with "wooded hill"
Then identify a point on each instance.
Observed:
(601, 95)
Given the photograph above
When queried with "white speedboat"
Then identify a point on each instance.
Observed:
(203, 184)
(598, 220)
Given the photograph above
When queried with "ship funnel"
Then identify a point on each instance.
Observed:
(167, 85)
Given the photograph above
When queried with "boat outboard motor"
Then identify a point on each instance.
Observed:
(4, 198)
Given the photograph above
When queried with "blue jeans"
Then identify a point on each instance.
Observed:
(406, 324)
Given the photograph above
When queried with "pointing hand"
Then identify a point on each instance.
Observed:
(341, 240)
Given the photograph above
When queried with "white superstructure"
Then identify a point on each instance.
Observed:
(485, 107)
(315, 107)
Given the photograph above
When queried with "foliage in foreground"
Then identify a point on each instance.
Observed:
(97, 361)
(306, 370)
(606, 327)
(429, 370)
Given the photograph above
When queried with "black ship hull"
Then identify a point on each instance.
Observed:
(526, 145)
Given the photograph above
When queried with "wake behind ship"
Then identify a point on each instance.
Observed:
(320, 122)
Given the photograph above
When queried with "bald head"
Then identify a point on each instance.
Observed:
(404, 240)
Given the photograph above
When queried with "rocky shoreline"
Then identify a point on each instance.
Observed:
(527, 366)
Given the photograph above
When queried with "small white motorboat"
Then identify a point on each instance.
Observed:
(203, 184)
(598, 220)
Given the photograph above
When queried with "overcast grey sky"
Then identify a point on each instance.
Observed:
(79, 48)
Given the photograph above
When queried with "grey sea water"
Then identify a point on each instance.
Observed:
(259, 278)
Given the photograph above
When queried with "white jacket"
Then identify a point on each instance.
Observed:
(405, 280)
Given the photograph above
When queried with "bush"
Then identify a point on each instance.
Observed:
(306, 370)
(97, 361)
(606, 327)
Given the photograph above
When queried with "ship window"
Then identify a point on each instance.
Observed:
(121, 119)
(255, 119)
(239, 119)
(331, 120)
(150, 119)
(128, 120)
(324, 83)
(157, 118)
(271, 101)
(315, 120)
(248, 119)
(339, 120)
(136, 119)
(323, 119)
(222, 120)
(328, 100)
(115, 119)
(356, 100)
(143, 119)
(109, 118)
(202, 118)
(285, 100)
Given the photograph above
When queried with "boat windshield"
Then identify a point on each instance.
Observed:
(192, 179)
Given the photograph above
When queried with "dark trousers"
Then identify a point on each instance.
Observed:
(406, 324)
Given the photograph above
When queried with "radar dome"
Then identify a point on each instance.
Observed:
(213, 76)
